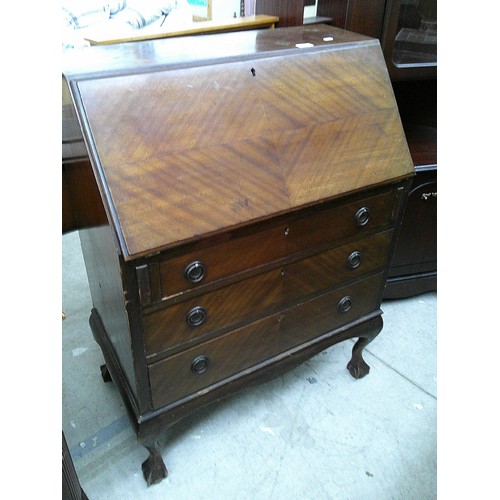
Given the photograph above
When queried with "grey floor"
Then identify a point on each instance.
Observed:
(314, 433)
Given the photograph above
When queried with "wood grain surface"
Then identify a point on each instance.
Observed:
(290, 238)
(252, 344)
(191, 151)
(249, 299)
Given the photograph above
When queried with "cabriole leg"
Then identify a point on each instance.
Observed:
(153, 468)
(358, 367)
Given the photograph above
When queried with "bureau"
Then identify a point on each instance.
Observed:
(253, 185)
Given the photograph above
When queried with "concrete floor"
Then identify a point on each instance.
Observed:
(314, 433)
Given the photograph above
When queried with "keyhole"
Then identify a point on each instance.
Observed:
(253, 71)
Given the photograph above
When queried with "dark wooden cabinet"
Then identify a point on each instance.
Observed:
(409, 39)
(360, 16)
(414, 265)
(252, 200)
(407, 31)
(290, 12)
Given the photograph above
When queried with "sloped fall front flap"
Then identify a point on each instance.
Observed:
(189, 151)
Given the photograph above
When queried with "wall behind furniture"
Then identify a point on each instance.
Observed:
(225, 9)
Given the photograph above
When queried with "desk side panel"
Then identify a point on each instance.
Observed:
(108, 297)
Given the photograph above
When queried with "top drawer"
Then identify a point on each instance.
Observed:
(299, 234)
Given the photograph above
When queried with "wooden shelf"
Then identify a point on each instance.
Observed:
(196, 28)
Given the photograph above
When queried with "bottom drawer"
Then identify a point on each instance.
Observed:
(203, 365)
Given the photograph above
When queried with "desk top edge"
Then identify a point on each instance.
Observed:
(166, 53)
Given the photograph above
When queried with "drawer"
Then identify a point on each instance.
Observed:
(263, 294)
(330, 311)
(305, 232)
(199, 367)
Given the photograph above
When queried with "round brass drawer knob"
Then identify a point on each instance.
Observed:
(354, 260)
(195, 271)
(200, 364)
(362, 216)
(196, 316)
(345, 304)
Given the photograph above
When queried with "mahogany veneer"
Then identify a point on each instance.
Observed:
(253, 191)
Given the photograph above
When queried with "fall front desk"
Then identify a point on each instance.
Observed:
(252, 185)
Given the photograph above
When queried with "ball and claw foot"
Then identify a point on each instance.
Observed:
(153, 468)
(358, 367)
(106, 376)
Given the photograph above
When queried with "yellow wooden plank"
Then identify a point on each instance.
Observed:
(105, 36)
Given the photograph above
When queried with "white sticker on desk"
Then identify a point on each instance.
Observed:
(304, 45)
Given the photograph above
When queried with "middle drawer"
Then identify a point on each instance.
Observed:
(206, 315)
